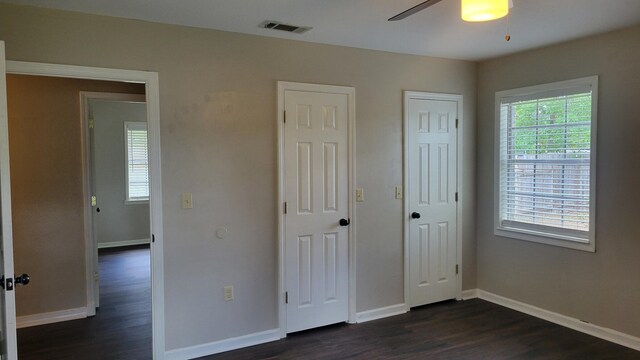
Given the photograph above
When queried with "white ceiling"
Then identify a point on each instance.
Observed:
(437, 31)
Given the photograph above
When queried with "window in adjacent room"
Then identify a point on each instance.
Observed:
(137, 172)
(546, 163)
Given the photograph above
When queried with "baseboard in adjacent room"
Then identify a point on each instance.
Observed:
(380, 313)
(51, 317)
(216, 347)
(566, 321)
(112, 244)
(469, 294)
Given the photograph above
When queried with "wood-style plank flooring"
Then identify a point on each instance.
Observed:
(122, 327)
(472, 329)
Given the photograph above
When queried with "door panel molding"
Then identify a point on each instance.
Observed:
(150, 79)
(425, 123)
(328, 122)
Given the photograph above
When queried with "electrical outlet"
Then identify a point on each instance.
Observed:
(359, 194)
(398, 192)
(187, 201)
(228, 293)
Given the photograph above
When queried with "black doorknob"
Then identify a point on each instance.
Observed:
(415, 215)
(345, 222)
(22, 279)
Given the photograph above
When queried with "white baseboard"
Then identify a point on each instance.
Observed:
(112, 244)
(572, 323)
(469, 294)
(216, 347)
(380, 313)
(50, 317)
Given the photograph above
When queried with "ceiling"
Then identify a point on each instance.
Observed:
(437, 31)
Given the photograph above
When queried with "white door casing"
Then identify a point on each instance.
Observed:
(91, 238)
(150, 79)
(8, 337)
(432, 246)
(316, 157)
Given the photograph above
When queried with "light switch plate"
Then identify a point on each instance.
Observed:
(228, 293)
(359, 194)
(398, 192)
(187, 201)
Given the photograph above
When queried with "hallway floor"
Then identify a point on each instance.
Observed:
(122, 327)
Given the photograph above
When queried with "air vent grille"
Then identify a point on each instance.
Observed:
(275, 25)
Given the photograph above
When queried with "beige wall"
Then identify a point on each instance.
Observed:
(46, 189)
(603, 287)
(218, 129)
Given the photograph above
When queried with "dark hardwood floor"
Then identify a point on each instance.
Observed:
(122, 327)
(472, 329)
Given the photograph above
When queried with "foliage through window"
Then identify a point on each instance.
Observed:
(546, 163)
(137, 161)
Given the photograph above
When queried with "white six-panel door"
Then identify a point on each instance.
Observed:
(316, 196)
(432, 205)
(9, 347)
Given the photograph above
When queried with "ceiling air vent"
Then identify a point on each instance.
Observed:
(274, 25)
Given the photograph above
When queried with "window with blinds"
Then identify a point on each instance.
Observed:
(546, 163)
(137, 161)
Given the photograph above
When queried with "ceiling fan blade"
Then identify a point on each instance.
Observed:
(414, 10)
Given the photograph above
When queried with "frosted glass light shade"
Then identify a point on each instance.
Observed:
(484, 10)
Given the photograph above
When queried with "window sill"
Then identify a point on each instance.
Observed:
(136, 202)
(546, 238)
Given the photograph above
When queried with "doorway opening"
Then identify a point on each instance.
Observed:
(147, 256)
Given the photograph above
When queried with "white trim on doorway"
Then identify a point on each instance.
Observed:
(431, 96)
(150, 79)
(351, 103)
(90, 236)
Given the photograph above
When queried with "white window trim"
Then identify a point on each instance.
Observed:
(534, 235)
(127, 125)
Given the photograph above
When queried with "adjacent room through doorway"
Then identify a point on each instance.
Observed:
(71, 140)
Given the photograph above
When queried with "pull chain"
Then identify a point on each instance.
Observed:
(507, 37)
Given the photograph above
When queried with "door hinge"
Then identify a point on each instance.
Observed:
(457, 121)
(6, 284)
(90, 123)
(285, 207)
(94, 200)
(285, 116)
(457, 269)
(286, 297)
(456, 196)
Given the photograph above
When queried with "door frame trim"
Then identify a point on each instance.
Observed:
(90, 235)
(420, 95)
(351, 110)
(150, 79)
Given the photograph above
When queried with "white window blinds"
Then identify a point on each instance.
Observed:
(137, 161)
(545, 162)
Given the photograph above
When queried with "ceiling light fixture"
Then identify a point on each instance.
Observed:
(484, 10)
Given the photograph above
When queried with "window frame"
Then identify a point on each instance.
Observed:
(138, 125)
(540, 233)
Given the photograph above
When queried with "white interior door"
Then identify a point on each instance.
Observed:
(316, 193)
(432, 173)
(9, 347)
